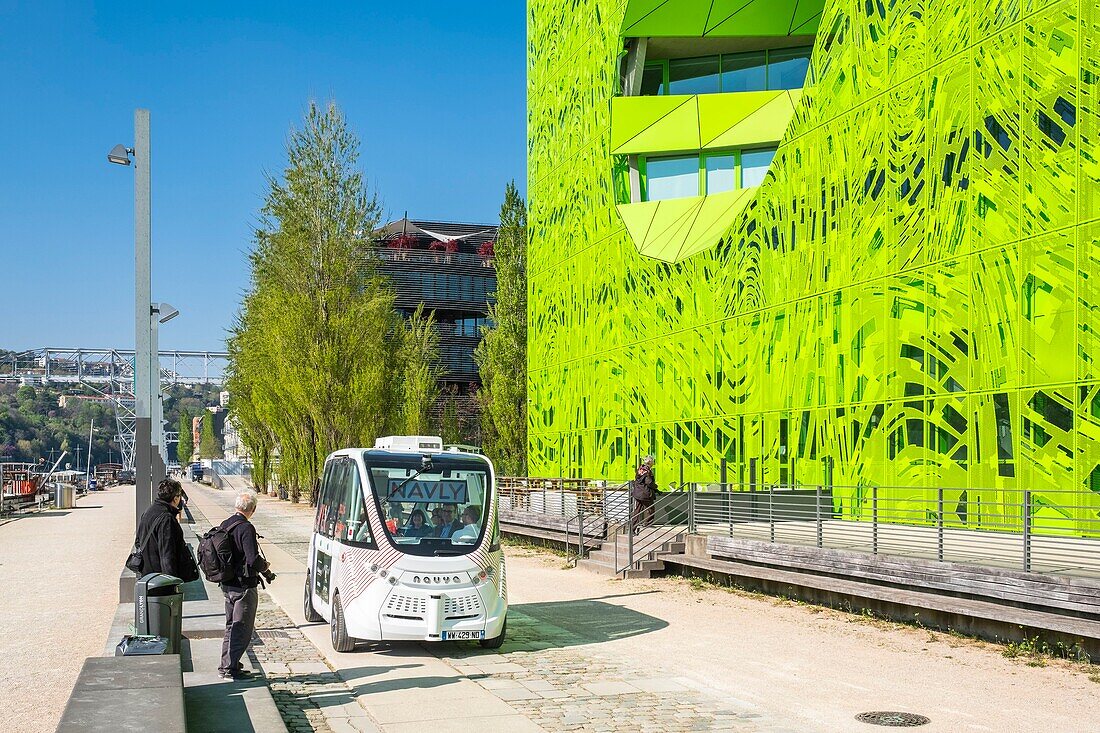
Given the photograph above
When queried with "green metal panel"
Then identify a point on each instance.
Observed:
(910, 299)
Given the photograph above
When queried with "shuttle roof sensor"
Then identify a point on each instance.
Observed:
(410, 443)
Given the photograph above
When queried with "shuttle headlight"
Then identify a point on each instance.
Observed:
(393, 580)
(383, 573)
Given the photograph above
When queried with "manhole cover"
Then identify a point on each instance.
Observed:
(893, 719)
(272, 634)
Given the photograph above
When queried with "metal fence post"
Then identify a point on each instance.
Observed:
(691, 509)
(771, 515)
(874, 520)
(580, 531)
(1027, 530)
(729, 508)
(817, 512)
(939, 524)
(630, 533)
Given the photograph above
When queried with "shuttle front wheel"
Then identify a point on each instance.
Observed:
(496, 641)
(341, 642)
(307, 603)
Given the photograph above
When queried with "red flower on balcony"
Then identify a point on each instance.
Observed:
(486, 250)
(404, 241)
(450, 246)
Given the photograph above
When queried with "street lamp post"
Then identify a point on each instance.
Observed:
(88, 468)
(143, 375)
(159, 313)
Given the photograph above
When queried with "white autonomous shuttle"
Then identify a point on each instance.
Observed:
(406, 546)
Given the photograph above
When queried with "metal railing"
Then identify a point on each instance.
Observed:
(589, 509)
(664, 521)
(1036, 530)
(598, 520)
(1048, 530)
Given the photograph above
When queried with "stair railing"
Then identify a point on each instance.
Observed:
(595, 519)
(676, 510)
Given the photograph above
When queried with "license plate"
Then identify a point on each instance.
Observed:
(463, 635)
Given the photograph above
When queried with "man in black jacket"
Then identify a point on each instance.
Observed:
(160, 538)
(240, 594)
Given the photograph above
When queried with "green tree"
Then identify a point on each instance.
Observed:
(419, 363)
(185, 446)
(450, 427)
(502, 354)
(208, 442)
(314, 348)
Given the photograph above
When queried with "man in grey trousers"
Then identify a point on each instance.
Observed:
(240, 593)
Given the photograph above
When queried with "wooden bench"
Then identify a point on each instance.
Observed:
(1059, 594)
(123, 694)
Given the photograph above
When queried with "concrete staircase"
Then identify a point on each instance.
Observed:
(654, 541)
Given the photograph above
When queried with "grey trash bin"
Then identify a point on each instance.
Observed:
(63, 496)
(158, 608)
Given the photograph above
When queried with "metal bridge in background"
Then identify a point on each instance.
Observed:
(110, 373)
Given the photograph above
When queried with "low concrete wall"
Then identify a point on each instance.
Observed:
(123, 694)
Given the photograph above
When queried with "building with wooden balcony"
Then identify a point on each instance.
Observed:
(447, 266)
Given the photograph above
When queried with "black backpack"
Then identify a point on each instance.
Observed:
(216, 555)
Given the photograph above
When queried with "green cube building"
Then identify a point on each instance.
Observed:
(838, 243)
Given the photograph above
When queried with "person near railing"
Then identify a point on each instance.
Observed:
(643, 490)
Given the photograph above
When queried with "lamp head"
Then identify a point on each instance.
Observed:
(166, 312)
(120, 155)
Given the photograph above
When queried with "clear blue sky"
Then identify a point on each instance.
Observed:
(435, 91)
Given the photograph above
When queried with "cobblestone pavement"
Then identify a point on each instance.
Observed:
(540, 673)
(309, 694)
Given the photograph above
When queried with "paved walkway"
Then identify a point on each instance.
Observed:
(593, 654)
(58, 593)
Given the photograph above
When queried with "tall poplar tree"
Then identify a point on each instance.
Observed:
(420, 370)
(185, 445)
(313, 351)
(502, 354)
(208, 442)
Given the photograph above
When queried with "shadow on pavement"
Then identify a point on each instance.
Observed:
(32, 514)
(220, 706)
(587, 621)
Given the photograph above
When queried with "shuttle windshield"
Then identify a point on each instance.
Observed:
(431, 508)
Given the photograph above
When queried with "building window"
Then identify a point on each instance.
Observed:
(754, 165)
(787, 68)
(694, 76)
(753, 71)
(721, 172)
(681, 176)
(744, 72)
(653, 80)
(671, 178)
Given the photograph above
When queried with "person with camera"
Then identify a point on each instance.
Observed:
(241, 597)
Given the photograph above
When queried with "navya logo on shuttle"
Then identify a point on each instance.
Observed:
(444, 492)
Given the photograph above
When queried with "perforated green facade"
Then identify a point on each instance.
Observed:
(910, 299)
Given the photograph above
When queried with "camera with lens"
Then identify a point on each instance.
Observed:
(268, 576)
